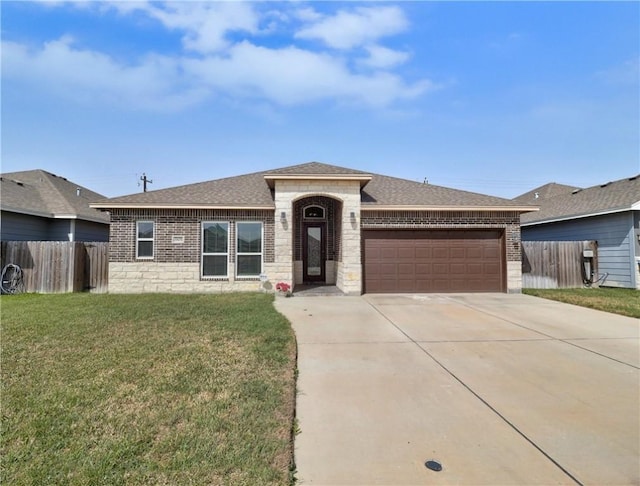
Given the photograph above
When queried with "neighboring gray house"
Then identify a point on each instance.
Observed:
(314, 224)
(608, 213)
(37, 205)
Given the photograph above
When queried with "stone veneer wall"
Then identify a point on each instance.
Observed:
(509, 221)
(349, 266)
(176, 266)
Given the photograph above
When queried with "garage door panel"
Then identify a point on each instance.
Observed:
(441, 285)
(491, 269)
(440, 268)
(388, 269)
(373, 253)
(458, 269)
(441, 253)
(423, 269)
(476, 252)
(491, 253)
(474, 269)
(424, 253)
(423, 286)
(458, 283)
(407, 253)
(406, 270)
(388, 253)
(434, 261)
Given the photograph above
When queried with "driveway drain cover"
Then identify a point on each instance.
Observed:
(433, 465)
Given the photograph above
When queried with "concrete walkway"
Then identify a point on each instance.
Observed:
(499, 389)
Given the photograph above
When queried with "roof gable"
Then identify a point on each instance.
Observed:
(45, 194)
(317, 171)
(611, 197)
(315, 168)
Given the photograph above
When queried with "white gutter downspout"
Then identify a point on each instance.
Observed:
(72, 230)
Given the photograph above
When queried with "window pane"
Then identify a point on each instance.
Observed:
(249, 265)
(314, 212)
(214, 266)
(215, 237)
(145, 229)
(250, 238)
(145, 248)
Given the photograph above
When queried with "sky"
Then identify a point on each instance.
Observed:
(489, 97)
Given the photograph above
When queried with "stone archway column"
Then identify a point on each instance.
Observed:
(349, 268)
(281, 270)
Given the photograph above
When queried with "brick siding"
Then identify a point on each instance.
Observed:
(181, 222)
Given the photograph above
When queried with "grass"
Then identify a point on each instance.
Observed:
(146, 389)
(625, 302)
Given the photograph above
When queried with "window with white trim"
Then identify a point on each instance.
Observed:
(215, 249)
(248, 249)
(144, 239)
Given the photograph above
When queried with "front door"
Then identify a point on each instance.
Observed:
(313, 258)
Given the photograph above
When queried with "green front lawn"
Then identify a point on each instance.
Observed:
(618, 301)
(146, 389)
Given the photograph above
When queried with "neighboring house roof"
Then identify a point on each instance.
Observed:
(612, 197)
(539, 194)
(255, 191)
(40, 193)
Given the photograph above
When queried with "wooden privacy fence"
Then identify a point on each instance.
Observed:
(59, 266)
(556, 264)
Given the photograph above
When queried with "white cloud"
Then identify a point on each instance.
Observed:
(362, 25)
(156, 83)
(205, 24)
(308, 14)
(215, 64)
(291, 76)
(383, 58)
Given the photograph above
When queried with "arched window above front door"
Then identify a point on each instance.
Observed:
(313, 212)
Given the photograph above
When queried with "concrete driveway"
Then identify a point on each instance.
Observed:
(499, 389)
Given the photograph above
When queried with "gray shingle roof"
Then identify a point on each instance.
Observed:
(252, 190)
(315, 168)
(610, 197)
(392, 191)
(42, 193)
(544, 192)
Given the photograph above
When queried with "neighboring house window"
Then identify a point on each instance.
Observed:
(249, 249)
(215, 249)
(144, 239)
(313, 212)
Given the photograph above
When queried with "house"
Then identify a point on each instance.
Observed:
(37, 205)
(314, 224)
(608, 213)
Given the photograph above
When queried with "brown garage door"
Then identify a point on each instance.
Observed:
(433, 261)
